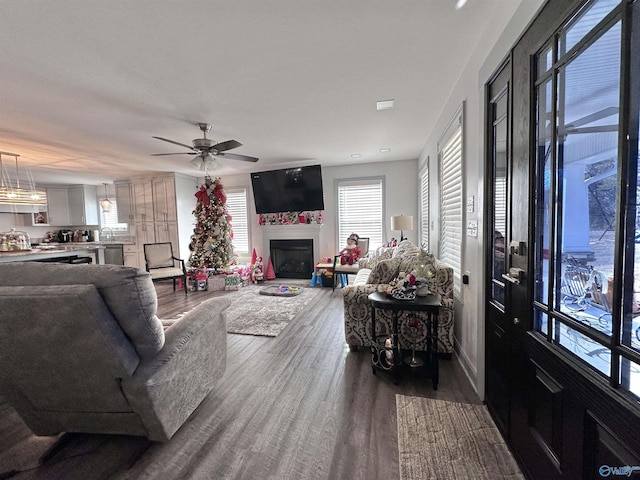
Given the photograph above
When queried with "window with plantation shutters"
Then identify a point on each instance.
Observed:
(360, 210)
(424, 207)
(450, 159)
(110, 218)
(237, 208)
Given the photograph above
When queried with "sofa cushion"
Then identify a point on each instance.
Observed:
(128, 292)
(361, 277)
(384, 271)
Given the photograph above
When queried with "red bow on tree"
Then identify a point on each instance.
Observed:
(202, 195)
(217, 192)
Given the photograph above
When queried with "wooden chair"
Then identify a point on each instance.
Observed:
(163, 265)
(339, 270)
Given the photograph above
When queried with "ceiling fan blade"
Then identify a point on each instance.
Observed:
(235, 156)
(181, 153)
(176, 143)
(224, 146)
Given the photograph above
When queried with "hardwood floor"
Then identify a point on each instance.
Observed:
(298, 406)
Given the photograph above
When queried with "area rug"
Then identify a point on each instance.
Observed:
(441, 440)
(253, 314)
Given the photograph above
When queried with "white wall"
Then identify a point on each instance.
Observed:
(401, 190)
(488, 53)
(22, 222)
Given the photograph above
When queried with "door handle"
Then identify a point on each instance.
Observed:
(515, 275)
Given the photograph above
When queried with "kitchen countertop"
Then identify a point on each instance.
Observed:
(53, 251)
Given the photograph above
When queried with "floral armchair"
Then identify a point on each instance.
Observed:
(378, 269)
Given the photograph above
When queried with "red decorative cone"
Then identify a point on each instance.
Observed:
(254, 255)
(271, 273)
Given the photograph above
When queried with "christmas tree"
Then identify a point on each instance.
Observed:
(211, 245)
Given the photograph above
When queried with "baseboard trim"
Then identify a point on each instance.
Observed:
(467, 366)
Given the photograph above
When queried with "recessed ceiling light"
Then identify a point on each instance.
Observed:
(385, 150)
(460, 4)
(384, 104)
(355, 155)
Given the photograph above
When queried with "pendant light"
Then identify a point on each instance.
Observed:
(105, 203)
(11, 193)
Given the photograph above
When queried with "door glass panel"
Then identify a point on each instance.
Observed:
(584, 22)
(593, 353)
(540, 321)
(630, 376)
(587, 178)
(545, 60)
(544, 202)
(499, 195)
(631, 325)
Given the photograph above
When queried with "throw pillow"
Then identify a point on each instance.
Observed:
(384, 253)
(384, 271)
(405, 247)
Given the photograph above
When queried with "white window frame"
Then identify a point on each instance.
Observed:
(238, 208)
(451, 169)
(365, 217)
(423, 189)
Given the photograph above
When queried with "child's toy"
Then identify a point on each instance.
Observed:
(351, 252)
(257, 273)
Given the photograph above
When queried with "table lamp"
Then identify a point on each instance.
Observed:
(402, 222)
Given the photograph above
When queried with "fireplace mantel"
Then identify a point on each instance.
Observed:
(294, 231)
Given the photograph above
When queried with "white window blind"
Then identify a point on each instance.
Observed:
(110, 218)
(360, 210)
(237, 208)
(424, 207)
(450, 156)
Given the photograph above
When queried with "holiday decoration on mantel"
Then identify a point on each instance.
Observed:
(211, 245)
(290, 218)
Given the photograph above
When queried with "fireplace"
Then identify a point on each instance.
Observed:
(292, 258)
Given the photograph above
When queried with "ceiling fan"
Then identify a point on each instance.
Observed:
(206, 151)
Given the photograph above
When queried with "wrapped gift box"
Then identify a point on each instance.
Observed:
(232, 282)
(217, 282)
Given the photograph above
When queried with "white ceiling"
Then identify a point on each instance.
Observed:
(84, 85)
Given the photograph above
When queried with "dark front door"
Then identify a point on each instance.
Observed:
(499, 328)
(563, 269)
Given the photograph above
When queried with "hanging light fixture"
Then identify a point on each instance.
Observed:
(105, 203)
(11, 193)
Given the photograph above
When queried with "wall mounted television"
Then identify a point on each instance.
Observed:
(288, 190)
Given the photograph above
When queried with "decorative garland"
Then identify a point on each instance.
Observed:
(290, 218)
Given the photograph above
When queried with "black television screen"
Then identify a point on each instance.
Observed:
(288, 190)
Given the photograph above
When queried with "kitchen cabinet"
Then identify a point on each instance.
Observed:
(124, 201)
(164, 200)
(83, 205)
(58, 206)
(167, 232)
(145, 233)
(74, 205)
(143, 200)
(130, 256)
(161, 206)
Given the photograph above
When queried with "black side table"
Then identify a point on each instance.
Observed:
(387, 356)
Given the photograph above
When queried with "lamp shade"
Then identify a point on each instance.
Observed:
(402, 222)
(105, 203)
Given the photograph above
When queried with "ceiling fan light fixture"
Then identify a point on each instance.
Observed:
(197, 162)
